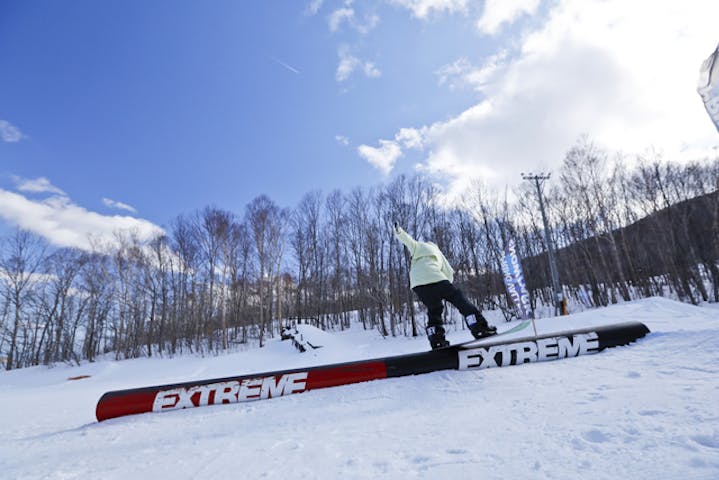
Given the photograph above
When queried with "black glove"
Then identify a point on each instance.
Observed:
(396, 227)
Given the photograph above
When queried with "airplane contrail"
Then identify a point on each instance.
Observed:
(288, 67)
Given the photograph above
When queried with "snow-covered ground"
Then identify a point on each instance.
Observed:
(647, 411)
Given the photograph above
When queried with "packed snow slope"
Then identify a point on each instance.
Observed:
(646, 411)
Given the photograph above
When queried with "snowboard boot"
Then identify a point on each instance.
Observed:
(478, 326)
(435, 335)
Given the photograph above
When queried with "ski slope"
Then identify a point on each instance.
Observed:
(650, 410)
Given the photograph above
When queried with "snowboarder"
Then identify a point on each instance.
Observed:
(431, 279)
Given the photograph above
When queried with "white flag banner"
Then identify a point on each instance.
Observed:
(514, 280)
(708, 86)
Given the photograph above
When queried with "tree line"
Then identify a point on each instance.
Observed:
(219, 279)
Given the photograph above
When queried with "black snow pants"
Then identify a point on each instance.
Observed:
(432, 295)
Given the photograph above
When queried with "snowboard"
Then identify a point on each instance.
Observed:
(501, 331)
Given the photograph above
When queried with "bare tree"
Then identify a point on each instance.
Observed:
(19, 264)
(267, 223)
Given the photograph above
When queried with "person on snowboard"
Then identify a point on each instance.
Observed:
(431, 277)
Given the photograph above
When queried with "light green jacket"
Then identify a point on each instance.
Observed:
(428, 262)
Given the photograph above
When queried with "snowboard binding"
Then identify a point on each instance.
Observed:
(435, 335)
(478, 326)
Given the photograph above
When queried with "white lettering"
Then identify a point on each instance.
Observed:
(526, 352)
(184, 398)
(165, 401)
(522, 352)
(473, 358)
(547, 349)
(296, 383)
(505, 357)
(589, 343)
(225, 392)
(230, 392)
(490, 359)
(566, 347)
(468, 359)
(250, 389)
(174, 399)
(204, 395)
(272, 388)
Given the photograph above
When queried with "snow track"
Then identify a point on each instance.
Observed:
(644, 411)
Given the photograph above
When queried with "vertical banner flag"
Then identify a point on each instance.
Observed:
(514, 280)
(708, 86)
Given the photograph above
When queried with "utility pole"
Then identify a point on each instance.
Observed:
(559, 305)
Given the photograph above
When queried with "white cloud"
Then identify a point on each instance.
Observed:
(118, 205)
(621, 72)
(347, 65)
(66, 224)
(423, 8)
(313, 7)
(9, 132)
(36, 185)
(498, 12)
(350, 64)
(347, 15)
(370, 22)
(461, 73)
(342, 140)
(457, 69)
(340, 16)
(370, 70)
(410, 138)
(383, 157)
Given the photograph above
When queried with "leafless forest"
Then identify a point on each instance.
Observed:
(221, 278)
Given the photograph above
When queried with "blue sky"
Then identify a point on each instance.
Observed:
(130, 113)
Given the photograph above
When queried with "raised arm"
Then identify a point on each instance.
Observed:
(405, 238)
